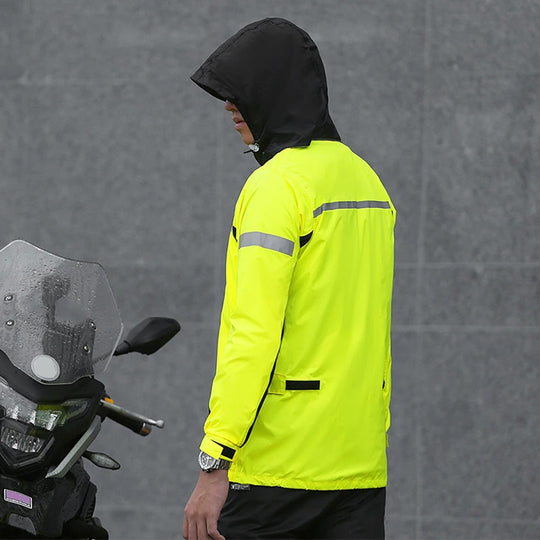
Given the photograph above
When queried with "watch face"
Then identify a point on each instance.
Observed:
(206, 461)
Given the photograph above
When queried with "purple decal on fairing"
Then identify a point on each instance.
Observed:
(17, 498)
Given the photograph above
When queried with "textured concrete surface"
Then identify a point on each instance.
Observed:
(110, 153)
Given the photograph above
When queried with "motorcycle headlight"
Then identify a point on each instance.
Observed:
(38, 428)
(21, 440)
(32, 419)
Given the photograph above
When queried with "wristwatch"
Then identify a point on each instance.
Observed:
(208, 463)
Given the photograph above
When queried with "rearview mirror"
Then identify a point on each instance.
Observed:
(148, 336)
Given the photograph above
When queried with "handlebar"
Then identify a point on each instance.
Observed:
(136, 422)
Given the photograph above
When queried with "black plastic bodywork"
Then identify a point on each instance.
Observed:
(55, 502)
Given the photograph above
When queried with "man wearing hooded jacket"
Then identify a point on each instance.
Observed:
(295, 441)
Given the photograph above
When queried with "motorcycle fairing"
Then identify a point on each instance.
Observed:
(59, 324)
(71, 419)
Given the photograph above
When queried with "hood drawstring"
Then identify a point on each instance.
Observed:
(252, 148)
(260, 155)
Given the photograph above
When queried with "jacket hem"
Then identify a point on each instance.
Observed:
(375, 481)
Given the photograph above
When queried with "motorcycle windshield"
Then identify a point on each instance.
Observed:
(58, 317)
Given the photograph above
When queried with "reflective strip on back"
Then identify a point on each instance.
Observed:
(339, 205)
(268, 241)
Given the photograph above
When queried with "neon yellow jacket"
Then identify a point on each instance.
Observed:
(301, 394)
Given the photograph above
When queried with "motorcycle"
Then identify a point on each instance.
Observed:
(59, 327)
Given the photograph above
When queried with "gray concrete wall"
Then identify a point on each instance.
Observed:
(108, 152)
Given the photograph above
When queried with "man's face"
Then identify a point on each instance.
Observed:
(239, 123)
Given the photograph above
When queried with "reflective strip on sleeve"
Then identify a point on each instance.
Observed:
(349, 204)
(268, 241)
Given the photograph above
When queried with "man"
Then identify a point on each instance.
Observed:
(300, 401)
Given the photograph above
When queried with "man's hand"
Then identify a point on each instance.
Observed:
(204, 506)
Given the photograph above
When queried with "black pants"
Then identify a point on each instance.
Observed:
(274, 512)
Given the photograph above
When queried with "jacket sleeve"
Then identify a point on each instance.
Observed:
(267, 222)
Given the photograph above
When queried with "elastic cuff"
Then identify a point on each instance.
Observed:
(217, 450)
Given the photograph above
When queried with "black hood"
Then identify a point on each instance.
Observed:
(272, 71)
